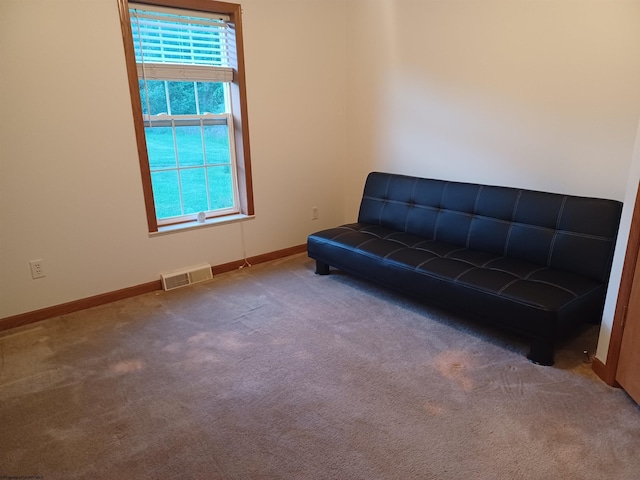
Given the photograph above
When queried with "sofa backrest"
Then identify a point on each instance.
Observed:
(570, 233)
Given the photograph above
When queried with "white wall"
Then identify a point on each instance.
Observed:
(534, 94)
(70, 190)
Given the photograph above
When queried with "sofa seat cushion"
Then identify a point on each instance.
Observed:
(493, 285)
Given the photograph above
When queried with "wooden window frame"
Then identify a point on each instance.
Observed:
(237, 92)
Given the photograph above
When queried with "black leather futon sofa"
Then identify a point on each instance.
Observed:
(533, 262)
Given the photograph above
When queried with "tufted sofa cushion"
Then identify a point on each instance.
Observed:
(525, 295)
(558, 231)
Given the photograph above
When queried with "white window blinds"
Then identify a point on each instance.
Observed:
(174, 44)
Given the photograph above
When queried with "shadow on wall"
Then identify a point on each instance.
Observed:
(524, 94)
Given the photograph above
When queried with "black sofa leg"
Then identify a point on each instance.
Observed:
(541, 352)
(322, 268)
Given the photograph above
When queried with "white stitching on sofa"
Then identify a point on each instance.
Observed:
(513, 218)
(555, 235)
(508, 285)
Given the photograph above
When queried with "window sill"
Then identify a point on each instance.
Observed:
(210, 222)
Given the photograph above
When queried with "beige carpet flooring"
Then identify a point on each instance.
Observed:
(272, 372)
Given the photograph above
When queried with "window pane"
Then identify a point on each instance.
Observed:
(182, 98)
(143, 96)
(189, 141)
(157, 97)
(166, 193)
(162, 153)
(216, 143)
(211, 97)
(220, 187)
(194, 190)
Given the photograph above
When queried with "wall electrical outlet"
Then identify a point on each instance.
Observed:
(314, 213)
(37, 268)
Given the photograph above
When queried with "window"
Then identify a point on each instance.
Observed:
(186, 80)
